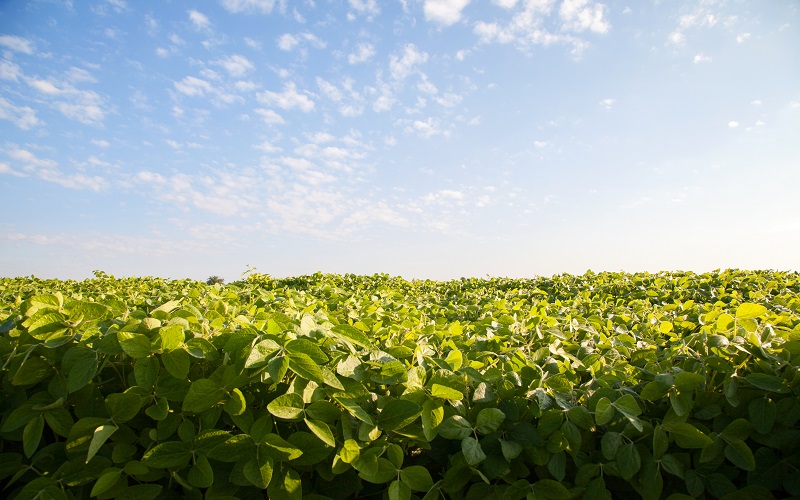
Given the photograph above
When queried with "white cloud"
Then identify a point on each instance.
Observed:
(365, 7)
(364, 51)
(199, 20)
(84, 106)
(269, 116)
(9, 70)
(193, 86)
(527, 26)
(449, 99)
(676, 38)
(733, 124)
(401, 66)
(444, 12)
(757, 102)
(267, 147)
(252, 43)
(506, 4)
(236, 6)
(541, 144)
(608, 103)
(288, 99)
(580, 15)
(47, 170)
(701, 58)
(17, 44)
(427, 128)
(162, 52)
(742, 37)
(287, 41)
(236, 65)
(23, 117)
(87, 113)
(79, 75)
(329, 90)
(101, 143)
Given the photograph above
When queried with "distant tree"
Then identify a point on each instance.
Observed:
(212, 280)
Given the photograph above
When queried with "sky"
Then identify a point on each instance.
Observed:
(423, 138)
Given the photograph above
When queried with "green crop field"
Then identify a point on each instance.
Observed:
(613, 385)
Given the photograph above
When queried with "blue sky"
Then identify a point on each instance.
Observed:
(422, 138)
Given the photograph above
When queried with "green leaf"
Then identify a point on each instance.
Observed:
(672, 465)
(308, 348)
(323, 410)
(32, 435)
(172, 337)
(99, 437)
(686, 435)
(689, 381)
(557, 464)
(262, 353)
(170, 454)
(596, 489)
(510, 449)
(287, 407)
(201, 474)
(81, 373)
(237, 404)
(549, 489)
(660, 442)
(739, 429)
(259, 471)
(135, 345)
(610, 443)
(158, 411)
(203, 395)
(489, 420)
(305, 367)
(628, 406)
(455, 427)
(399, 491)
(749, 310)
(439, 390)
(382, 473)
(280, 449)
(580, 416)
(603, 412)
(398, 413)
(352, 335)
(122, 407)
(322, 431)
(762, 413)
(288, 487)
(769, 383)
(432, 417)
(106, 481)
(473, 453)
(176, 362)
(740, 455)
(417, 478)
(628, 460)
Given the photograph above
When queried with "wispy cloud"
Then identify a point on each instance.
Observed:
(16, 43)
(23, 117)
(289, 41)
(248, 6)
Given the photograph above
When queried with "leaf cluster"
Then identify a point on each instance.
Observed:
(667, 385)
